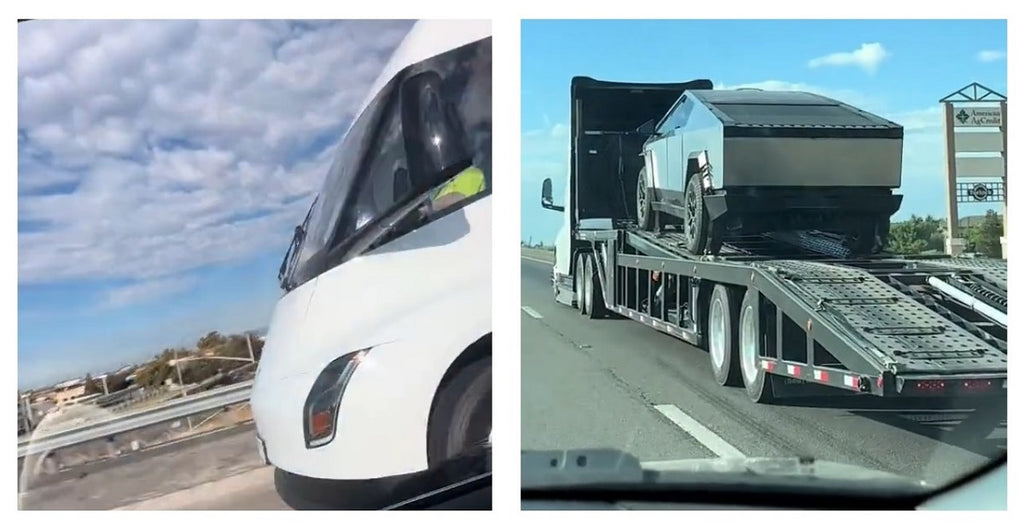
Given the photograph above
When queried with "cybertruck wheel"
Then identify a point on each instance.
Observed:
(644, 211)
(460, 421)
(702, 237)
(870, 239)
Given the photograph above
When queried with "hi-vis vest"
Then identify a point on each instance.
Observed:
(467, 183)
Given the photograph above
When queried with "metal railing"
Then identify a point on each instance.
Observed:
(118, 423)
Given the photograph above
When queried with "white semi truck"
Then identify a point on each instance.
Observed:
(377, 363)
(749, 223)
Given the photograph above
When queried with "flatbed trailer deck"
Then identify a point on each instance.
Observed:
(881, 325)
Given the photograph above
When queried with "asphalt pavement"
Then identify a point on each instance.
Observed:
(220, 470)
(616, 383)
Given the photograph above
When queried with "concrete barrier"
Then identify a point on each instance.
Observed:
(541, 255)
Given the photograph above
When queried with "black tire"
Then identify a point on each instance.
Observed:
(594, 299)
(883, 234)
(577, 280)
(644, 210)
(460, 420)
(722, 339)
(755, 380)
(701, 235)
(581, 283)
(870, 239)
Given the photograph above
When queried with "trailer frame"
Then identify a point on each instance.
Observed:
(856, 324)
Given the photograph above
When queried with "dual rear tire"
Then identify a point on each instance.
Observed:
(734, 341)
(589, 294)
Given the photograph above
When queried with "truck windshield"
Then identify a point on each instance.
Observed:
(371, 176)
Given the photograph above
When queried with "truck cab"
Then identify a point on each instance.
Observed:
(610, 123)
(376, 367)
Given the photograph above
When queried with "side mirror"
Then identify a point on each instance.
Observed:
(545, 197)
(402, 185)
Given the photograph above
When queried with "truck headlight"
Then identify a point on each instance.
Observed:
(320, 413)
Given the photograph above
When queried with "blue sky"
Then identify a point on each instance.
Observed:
(161, 168)
(897, 69)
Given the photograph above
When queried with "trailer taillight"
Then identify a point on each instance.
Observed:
(977, 385)
(935, 385)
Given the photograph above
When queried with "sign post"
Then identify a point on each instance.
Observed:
(975, 123)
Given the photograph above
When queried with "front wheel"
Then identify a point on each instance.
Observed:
(644, 210)
(461, 418)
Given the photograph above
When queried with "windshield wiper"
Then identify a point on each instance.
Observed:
(288, 263)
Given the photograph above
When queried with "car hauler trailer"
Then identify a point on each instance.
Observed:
(774, 310)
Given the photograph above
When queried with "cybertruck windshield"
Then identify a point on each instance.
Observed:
(374, 184)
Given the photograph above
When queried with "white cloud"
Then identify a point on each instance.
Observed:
(921, 120)
(991, 55)
(843, 95)
(867, 57)
(544, 154)
(177, 145)
(143, 291)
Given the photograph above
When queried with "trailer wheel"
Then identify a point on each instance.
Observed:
(722, 341)
(755, 379)
(644, 211)
(701, 235)
(594, 298)
(581, 284)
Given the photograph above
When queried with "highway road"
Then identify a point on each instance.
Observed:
(616, 383)
(216, 471)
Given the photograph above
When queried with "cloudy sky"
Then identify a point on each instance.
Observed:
(897, 69)
(161, 169)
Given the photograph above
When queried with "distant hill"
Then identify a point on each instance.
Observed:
(260, 332)
(974, 220)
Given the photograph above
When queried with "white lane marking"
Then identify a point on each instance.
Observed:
(699, 432)
(533, 313)
(537, 260)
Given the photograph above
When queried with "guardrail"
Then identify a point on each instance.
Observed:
(119, 423)
(534, 253)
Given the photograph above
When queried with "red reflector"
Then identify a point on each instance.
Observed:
(823, 377)
(930, 386)
(879, 382)
(769, 366)
(795, 371)
(978, 385)
(320, 424)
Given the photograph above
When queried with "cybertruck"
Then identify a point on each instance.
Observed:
(735, 164)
